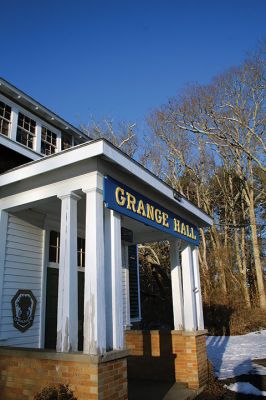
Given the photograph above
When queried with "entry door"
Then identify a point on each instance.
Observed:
(51, 308)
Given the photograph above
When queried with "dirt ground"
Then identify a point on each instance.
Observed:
(215, 389)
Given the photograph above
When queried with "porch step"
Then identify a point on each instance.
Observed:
(180, 391)
(154, 390)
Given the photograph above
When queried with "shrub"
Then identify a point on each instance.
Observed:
(56, 392)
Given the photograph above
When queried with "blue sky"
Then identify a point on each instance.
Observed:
(121, 59)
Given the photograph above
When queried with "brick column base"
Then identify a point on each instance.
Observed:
(168, 356)
(23, 373)
(191, 358)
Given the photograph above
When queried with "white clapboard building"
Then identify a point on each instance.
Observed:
(72, 211)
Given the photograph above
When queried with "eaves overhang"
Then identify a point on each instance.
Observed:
(26, 101)
(102, 148)
(19, 148)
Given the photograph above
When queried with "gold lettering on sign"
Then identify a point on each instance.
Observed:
(165, 220)
(183, 229)
(141, 209)
(150, 212)
(194, 237)
(177, 225)
(119, 196)
(158, 216)
(131, 202)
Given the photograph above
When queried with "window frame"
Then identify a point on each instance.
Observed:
(16, 108)
(46, 142)
(21, 130)
(81, 253)
(55, 264)
(57, 247)
(4, 120)
(71, 137)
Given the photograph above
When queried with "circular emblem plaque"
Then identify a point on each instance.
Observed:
(23, 308)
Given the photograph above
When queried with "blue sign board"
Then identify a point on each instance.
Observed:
(126, 201)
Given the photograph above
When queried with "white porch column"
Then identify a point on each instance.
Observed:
(94, 291)
(190, 320)
(3, 236)
(67, 314)
(176, 280)
(114, 294)
(198, 298)
(117, 294)
(108, 279)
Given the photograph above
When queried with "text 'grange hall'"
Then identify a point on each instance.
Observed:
(72, 213)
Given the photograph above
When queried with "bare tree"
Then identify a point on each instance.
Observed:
(122, 135)
(227, 118)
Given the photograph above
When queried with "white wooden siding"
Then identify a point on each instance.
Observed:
(23, 270)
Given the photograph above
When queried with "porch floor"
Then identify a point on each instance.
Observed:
(154, 390)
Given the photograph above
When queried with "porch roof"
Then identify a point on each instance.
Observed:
(104, 149)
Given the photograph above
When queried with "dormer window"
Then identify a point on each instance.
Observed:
(48, 145)
(26, 130)
(5, 116)
(66, 141)
(77, 141)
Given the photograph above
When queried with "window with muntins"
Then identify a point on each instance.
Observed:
(26, 130)
(81, 252)
(5, 117)
(48, 143)
(54, 249)
(66, 141)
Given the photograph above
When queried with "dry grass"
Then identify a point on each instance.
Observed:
(245, 320)
(221, 320)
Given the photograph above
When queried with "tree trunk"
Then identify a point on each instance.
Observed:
(241, 262)
(256, 252)
(217, 248)
(244, 269)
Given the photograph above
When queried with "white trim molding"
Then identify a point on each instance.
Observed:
(96, 148)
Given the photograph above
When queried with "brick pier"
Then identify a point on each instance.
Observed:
(168, 356)
(25, 372)
(175, 356)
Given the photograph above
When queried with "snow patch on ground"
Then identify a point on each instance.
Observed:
(258, 369)
(246, 388)
(232, 355)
